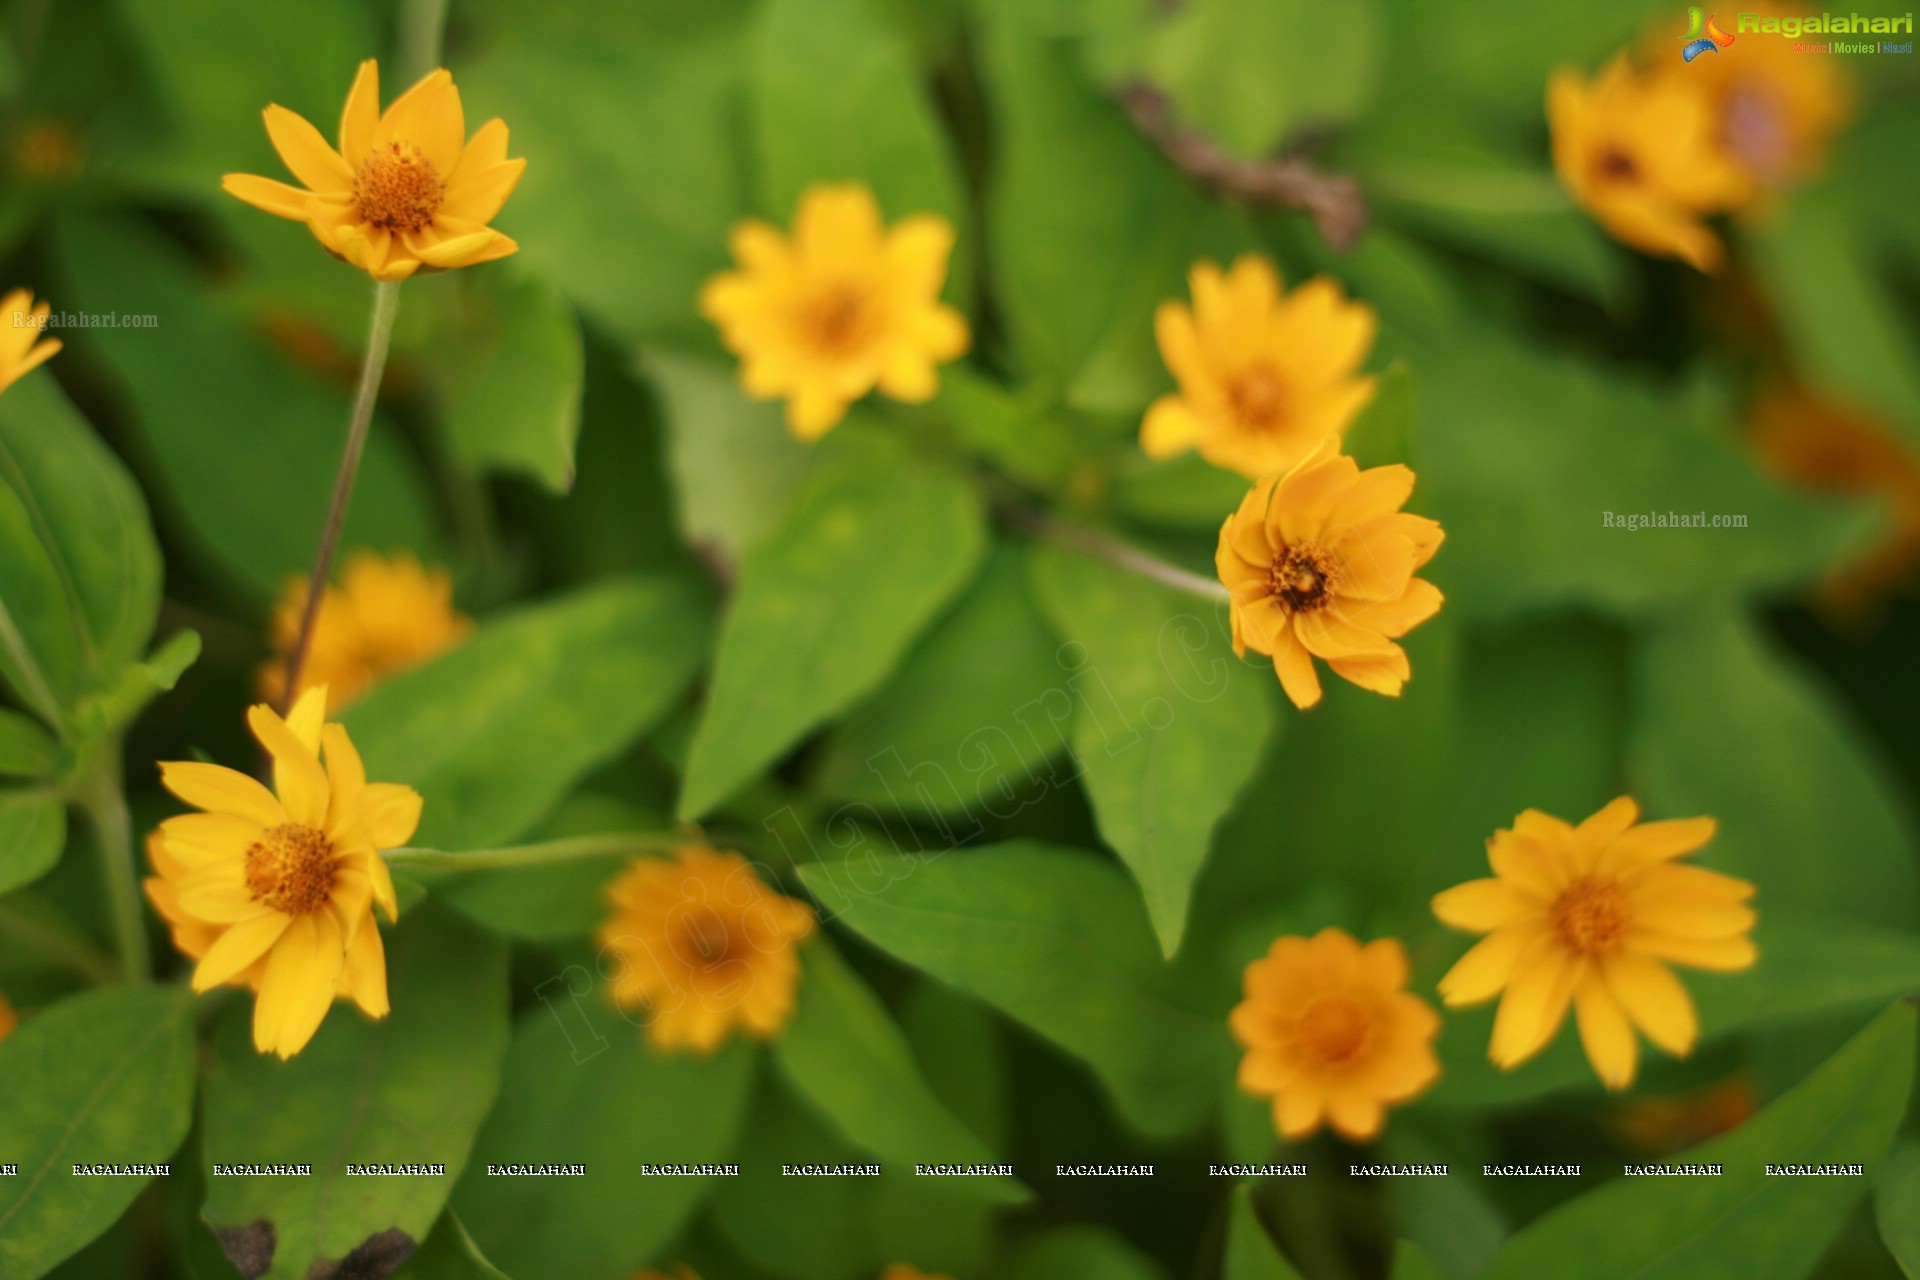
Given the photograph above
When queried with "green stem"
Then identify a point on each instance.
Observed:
(1051, 528)
(386, 302)
(105, 805)
(538, 855)
(423, 28)
(59, 943)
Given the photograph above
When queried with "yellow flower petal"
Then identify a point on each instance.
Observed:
(1654, 999)
(1483, 905)
(218, 789)
(1535, 1003)
(264, 193)
(1488, 966)
(1606, 1035)
(237, 948)
(361, 114)
(297, 775)
(298, 986)
(305, 153)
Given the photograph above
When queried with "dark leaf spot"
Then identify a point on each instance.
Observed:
(249, 1248)
(378, 1257)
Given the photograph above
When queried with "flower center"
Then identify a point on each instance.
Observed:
(1257, 398)
(1615, 164)
(1299, 578)
(1591, 915)
(1333, 1031)
(836, 320)
(706, 936)
(290, 868)
(398, 188)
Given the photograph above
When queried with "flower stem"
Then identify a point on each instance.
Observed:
(59, 942)
(105, 806)
(1051, 528)
(423, 25)
(537, 855)
(386, 301)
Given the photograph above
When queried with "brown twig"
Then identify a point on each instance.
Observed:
(1286, 182)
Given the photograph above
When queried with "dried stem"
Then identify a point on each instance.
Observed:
(1286, 182)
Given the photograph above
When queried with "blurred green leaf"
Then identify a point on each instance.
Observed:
(613, 1104)
(1251, 1253)
(737, 469)
(1742, 1225)
(1054, 938)
(33, 831)
(1185, 491)
(1726, 728)
(246, 443)
(825, 609)
(496, 730)
(103, 1077)
(411, 1088)
(1382, 434)
(1246, 72)
(1168, 727)
(26, 749)
(1524, 455)
(556, 901)
(1409, 1263)
(1085, 1253)
(450, 1253)
(843, 1053)
(950, 733)
(511, 367)
(1897, 1207)
(79, 570)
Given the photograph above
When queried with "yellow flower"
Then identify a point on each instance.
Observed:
(681, 1272)
(1662, 1126)
(843, 307)
(8, 1018)
(20, 322)
(707, 947)
(1593, 915)
(276, 891)
(1773, 110)
(1332, 1034)
(1640, 153)
(1319, 563)
(901, 1271)
(385, 616)
(405, 190)
(1264, 378)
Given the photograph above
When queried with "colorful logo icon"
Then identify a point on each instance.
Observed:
(1702, 37)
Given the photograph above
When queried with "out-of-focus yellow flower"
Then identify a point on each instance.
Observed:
(1264, 377)
(708, 948)
(1662, 1126)
(1319, 563)
(8, 1018)
(1773, 110)
(1332, 1035)
(844, 306)
(1827, 448)
(901, 1271)
(681, 1272)
(406, 189)
(21, 326)
(47, 149)
(1593, 915)
(276, 891)
(1641, 153)
(386, 615)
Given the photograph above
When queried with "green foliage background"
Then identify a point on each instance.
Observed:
(1048, 815)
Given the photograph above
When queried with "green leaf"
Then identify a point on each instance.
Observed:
(26, 749)
(556, 901)
(1383, 431)
(1245, 72)
(825, 610)
(1409, 1263)
(843, 1053)
(1085, 1253)
(1055, 938)
(837, 100)
(252, 497)
(950, 733)
(1897, 1207)
(1507, 435)
(511, 366)
(1251, 1253)
(450, 1253)
(1727, 728)
(1168, 727)
(1742, 1225)
(33, 831)
(629, 240)
(736, 467)
(79, 569)
(495, 731)
(411, 1088)
(612, 1103)
(105, 1077)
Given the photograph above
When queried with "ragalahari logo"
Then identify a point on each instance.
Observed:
(1702, 37)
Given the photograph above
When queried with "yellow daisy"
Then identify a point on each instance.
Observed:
(1773, 110)
(20, 328)
(1319, 563)
(275, 889)
(1264, 377)
(1640, 152)
(406, 189)
(1592, 915)
(708, 948)
(844, 306)
(1332, 1035)
(386, 615)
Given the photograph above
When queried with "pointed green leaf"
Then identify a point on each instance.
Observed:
(511, 367)
(33, 831)
(1897, 1207)
(1251, 1253)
